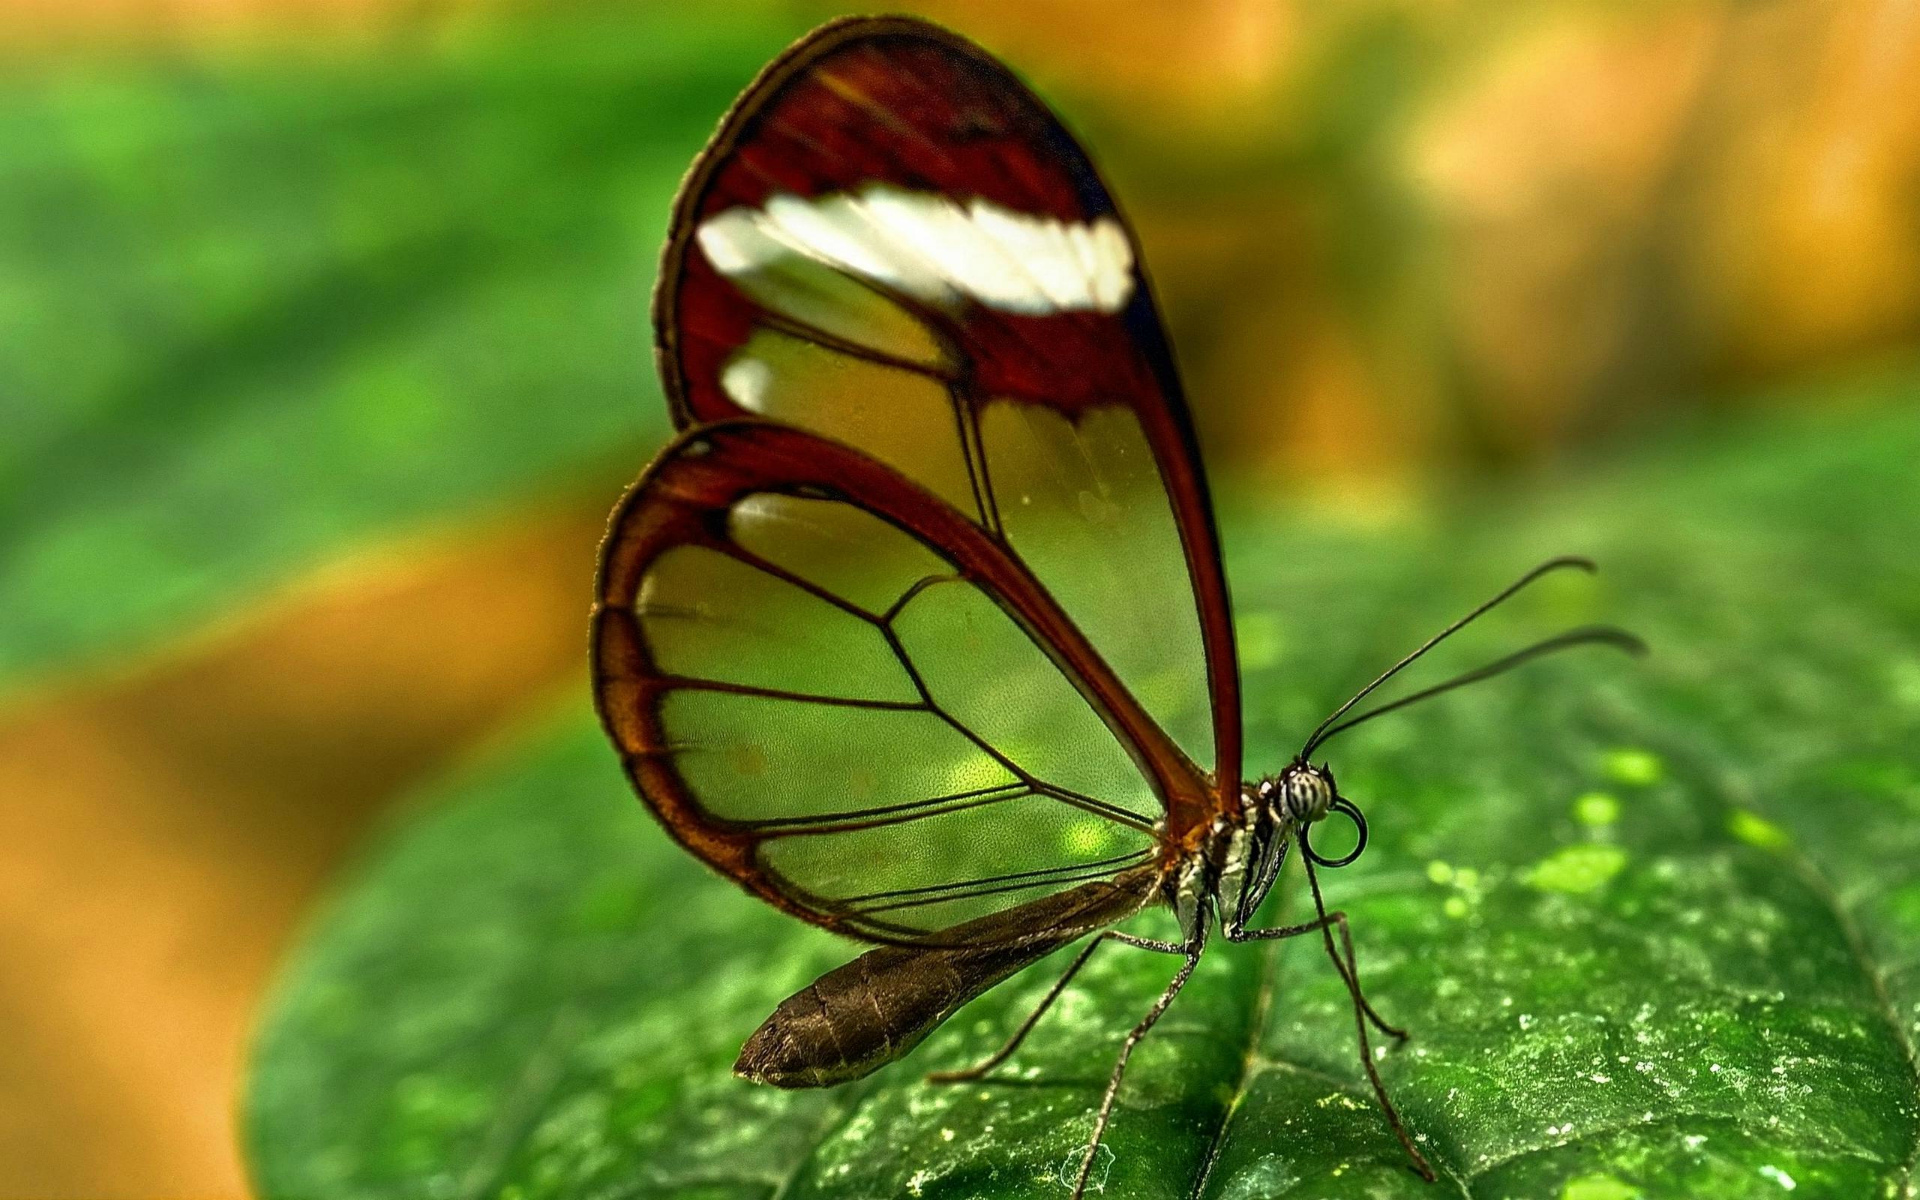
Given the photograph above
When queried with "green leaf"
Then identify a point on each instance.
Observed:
(1654, 925)
(259, 307)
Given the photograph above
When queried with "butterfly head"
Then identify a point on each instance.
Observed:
(1302, 796)
(1274, 810)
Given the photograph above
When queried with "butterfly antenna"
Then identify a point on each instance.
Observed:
(1595, 635)
(1551, 565)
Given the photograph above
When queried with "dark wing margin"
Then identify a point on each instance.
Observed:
(959, 369)
(890, 869)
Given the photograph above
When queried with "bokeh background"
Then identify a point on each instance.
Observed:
(323, 351)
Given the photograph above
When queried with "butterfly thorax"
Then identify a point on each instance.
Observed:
(1236, 863)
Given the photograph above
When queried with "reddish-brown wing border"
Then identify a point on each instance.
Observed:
(684, 498)
(1167, 424)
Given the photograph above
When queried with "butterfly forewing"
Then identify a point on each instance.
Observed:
(893, 243)
(923, 617)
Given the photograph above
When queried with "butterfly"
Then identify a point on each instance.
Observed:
(918, 629)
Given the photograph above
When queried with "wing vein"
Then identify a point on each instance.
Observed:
(856, 819)
(695, 684)
(968, 888)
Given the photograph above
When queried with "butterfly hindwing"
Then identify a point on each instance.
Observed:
(890, 743)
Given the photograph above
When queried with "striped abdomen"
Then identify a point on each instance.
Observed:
(860, 1017)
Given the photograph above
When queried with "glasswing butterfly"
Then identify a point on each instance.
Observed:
(918, 629)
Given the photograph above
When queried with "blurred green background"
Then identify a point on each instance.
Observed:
(324, 350)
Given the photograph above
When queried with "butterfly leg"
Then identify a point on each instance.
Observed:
(1335, 919)
(1338, 920)
(1350, 974)
(969, 1074)
(1192, 951)
(1348, 967)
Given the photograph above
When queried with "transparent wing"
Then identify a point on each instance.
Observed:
(892, 243)
(845, 694)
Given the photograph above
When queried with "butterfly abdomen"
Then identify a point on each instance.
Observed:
(856, 1019)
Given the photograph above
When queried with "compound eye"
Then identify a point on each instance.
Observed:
(1308, 797)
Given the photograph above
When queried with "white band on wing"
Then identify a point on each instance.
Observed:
(925, 246)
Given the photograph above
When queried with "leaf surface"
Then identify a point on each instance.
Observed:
(1654, 926)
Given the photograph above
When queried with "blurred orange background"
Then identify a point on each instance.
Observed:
(1402, 245)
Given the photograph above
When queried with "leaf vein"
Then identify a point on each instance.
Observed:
(1249, 1064)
